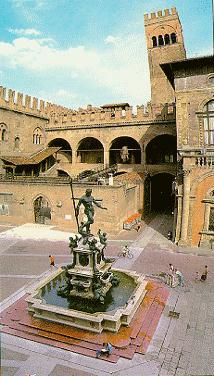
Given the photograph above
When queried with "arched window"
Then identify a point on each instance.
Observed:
(166, 39)
(37, 136)
(208, 117)
(3, 132)
(154, 42)
(173, 38)
(160, 40)
(17, 141)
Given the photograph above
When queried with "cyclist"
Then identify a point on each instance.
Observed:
(126, 251)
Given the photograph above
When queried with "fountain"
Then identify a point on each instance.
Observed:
(88, 293)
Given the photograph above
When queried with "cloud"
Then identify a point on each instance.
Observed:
(121, 70)
(111, 40)
(30, 10)
(60, 96)
(32, 3)
(26, 32)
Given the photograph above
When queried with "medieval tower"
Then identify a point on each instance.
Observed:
(165, 44)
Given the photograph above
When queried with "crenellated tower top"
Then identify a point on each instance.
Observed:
(153, 17)
(164, 44)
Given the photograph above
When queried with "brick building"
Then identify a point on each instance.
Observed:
(42, 145)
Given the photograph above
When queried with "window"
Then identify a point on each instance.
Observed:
(166, 39)
(17, 141)
(208, 117)
(160, 40)
(154, 41)
(211, 80)
(37, 136)
(173, 38)
(211, 219)
(3, 132)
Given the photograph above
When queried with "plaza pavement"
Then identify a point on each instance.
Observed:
(181, 346)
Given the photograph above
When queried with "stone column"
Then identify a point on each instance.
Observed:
(106, 157)
(186, 202)
(74, 156)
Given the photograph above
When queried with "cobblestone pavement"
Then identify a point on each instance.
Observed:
(180, 347)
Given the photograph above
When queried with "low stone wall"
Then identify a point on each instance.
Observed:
(19, 197)
(97, 322)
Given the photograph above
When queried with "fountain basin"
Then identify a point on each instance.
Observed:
(120, 313)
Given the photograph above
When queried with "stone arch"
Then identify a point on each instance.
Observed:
(203, 103)
(42, 209)
(38, 136)
(90, 150)
(210, 192)
(17, 142)
(154, 41)
(198, 180)
(62, 173)
(173, 37)
(166, 39)
(3, 132)
(161, 149)
(160, 40)
(65, 152)
(124, 149)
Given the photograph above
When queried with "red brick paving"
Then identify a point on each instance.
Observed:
(129, 340)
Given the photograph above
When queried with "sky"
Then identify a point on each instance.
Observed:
(79, 52)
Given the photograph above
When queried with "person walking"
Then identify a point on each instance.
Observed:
(180, 278)
(138, 227)
(204, 274)
(170, 281)
(52, 261)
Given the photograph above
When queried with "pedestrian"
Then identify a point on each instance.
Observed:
(52, 261)
(204, 274)
(137, 228)
(180, 277)
(171, 275)
(197, 277)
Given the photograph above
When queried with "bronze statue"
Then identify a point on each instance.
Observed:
(87, 200)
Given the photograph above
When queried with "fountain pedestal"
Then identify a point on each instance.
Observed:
(89, 274)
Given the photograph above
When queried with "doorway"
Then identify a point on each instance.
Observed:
(162, 199)
(42, 210)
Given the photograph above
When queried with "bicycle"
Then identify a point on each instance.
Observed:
(125, 252)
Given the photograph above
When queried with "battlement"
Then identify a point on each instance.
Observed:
(12, 100)
(112, 115)
(160, 15)
(60, 116)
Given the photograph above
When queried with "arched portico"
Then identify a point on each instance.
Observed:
(65, 153)
(90, 150)
(125, 150)
(161, 149)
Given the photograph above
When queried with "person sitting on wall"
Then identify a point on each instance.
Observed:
(106, 350)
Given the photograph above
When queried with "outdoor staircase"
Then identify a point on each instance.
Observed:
(94, 174)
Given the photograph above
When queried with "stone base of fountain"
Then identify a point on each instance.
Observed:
(94, 322)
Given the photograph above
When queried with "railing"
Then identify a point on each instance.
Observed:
(31, 179)
(98, 172)
(207, 161)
